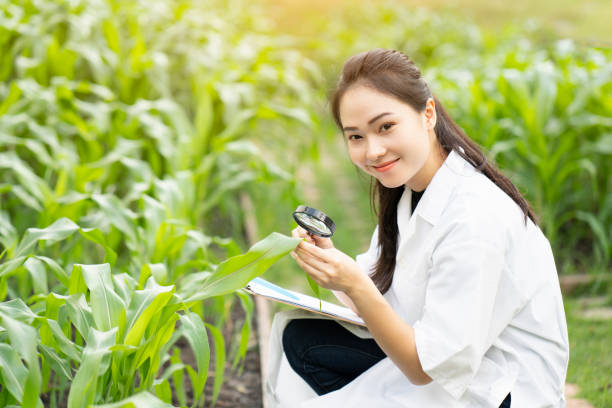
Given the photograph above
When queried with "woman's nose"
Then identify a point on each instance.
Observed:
(375, 150)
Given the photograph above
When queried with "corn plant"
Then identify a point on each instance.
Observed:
(125, 150)
(92, 90)
(102, 337)
(544, 118)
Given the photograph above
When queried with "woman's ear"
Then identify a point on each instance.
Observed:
(430, 114)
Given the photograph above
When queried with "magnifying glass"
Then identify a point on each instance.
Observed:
(314, 221)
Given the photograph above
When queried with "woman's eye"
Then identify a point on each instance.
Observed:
(354, 137)
(386, 126)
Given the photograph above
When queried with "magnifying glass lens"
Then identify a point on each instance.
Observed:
(314, 221)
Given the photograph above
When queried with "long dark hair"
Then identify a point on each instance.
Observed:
(395, 74)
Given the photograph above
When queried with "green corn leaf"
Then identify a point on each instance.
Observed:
(57, 231)
(39, 275)
(178, 378)
(36, 187)
(204, 118)
(144, 305)
(11, 98)
(24, 339)
(106, 305)
(118, 214)
(195, 332)
(53, 304)
(84, 387)
(3, 287)
(79, 313)
(65, 345)
(56, 269)
(112, 36)
(168, 372)
(235, 128)
(13, 371)
(125, 285)
(315, 289)
(158, 270)
(151, 348)
(248, 306)
(76, 283)
(18, 310)
(26, 198)
(219, 360)
(163, 391)
(236, 272)
(143, 399)
(9, 266)
(599, 231)
(232, 183)
(95, 235)
(60, 365)
(154, 213)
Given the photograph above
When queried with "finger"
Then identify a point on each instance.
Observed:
(313, 249)
(300, 232)
(296, 233)
(313, 272)
(305, 254)
(322, 242)
(313, 261)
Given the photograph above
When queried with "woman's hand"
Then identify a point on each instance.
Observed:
(328, 267)
(321, 242)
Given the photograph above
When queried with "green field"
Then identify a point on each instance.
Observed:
(131, 131)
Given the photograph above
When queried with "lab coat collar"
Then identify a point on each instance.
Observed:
(436, 195)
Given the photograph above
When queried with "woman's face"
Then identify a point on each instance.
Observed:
(388, 139)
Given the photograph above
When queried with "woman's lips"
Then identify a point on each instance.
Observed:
(385, 166)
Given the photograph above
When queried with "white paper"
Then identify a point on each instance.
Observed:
(262, 287)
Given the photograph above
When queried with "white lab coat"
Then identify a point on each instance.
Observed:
(480, 289)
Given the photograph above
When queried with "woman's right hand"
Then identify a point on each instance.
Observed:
(321, 242)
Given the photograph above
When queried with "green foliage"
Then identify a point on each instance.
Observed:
(129, 129)
(241, 269)
(543, 117)
(103, 339)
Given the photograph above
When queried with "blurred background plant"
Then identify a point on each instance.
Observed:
(131, 133)
(137, 124)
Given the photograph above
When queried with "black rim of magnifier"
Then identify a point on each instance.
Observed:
(319, 215)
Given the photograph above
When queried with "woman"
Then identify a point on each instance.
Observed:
(458, 289)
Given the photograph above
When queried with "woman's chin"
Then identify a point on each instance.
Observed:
(391, 183)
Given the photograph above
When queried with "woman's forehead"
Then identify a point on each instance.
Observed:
(361, 103)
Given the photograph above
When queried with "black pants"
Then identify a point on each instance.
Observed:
(327, 356)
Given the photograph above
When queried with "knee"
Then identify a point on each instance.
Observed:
(298, 335)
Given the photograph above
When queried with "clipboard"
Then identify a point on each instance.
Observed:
(268, 290)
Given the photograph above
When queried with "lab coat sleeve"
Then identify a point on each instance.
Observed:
(367, 260)
(461, 317)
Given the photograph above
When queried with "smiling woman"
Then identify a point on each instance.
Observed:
(399, 139)
(458, 289)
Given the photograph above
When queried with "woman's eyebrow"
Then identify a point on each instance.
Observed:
(374, 119)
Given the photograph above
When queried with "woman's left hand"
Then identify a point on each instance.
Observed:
(328, 267)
